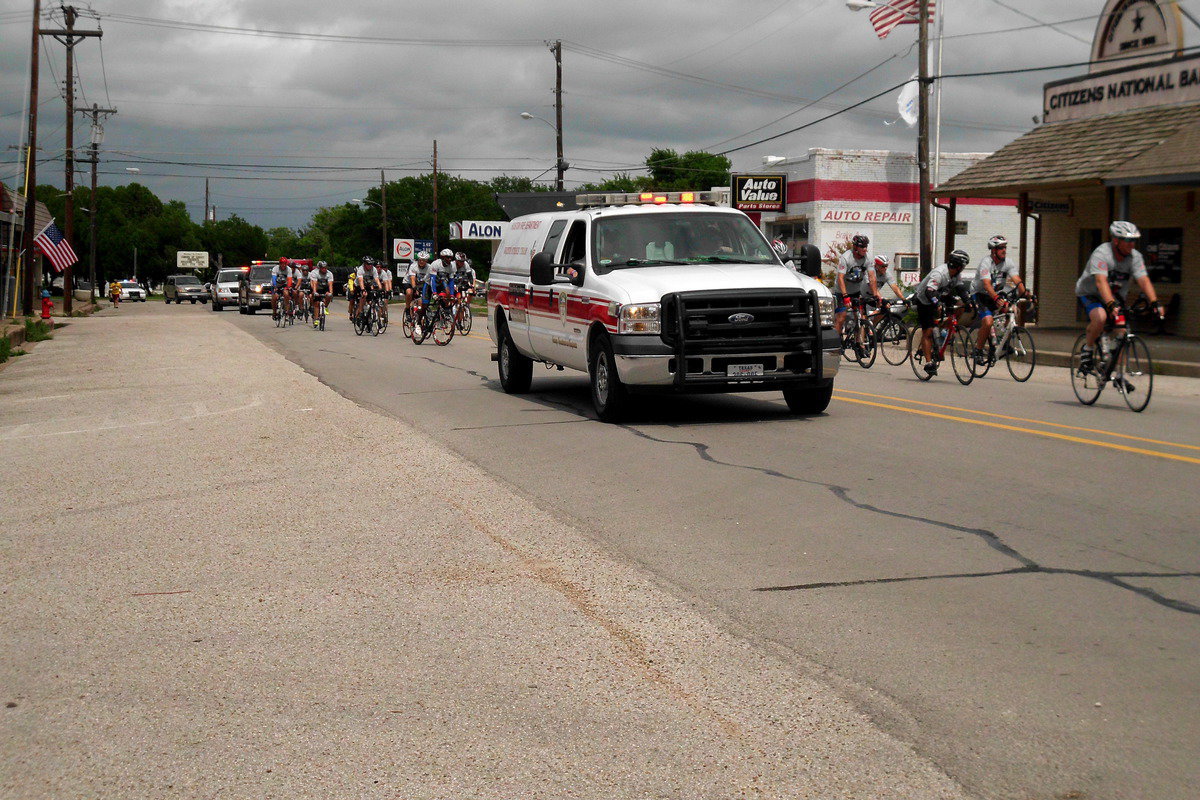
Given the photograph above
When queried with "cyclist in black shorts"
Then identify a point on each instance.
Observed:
(321, 285)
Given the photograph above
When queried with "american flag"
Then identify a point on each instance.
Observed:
(896, 12)
(54, 246)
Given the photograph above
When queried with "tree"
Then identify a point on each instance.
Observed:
(621, 182)
(695, 170)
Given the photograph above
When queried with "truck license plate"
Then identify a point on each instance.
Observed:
(744, 370)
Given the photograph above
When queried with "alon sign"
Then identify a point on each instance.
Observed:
(474, 229)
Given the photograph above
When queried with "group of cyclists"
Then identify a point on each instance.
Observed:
(1112, 270)
(307, 288)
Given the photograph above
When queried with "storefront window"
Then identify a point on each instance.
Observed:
(793, 233)
(1163, 250)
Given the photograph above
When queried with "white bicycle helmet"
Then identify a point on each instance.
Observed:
(997, 241)
(1124, 230)
(422, 256)
(779, 247)
(446, 253)
(881, 261)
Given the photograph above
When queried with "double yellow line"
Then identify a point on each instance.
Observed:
(841, 394)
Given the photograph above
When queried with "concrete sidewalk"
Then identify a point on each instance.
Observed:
(209, 591)
(1172, 355)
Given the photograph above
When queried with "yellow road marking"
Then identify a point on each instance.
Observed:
(1022, 419)
(1049, 434)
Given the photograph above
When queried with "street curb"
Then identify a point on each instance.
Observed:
(1182, 369)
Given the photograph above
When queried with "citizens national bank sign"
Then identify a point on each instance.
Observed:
(1135, 64)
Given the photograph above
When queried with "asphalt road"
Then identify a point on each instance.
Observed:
(1002, 577)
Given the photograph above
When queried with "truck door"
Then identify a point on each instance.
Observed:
(541, 309)
(566, 320)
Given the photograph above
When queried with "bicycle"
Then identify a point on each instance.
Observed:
(283, 313)
(319, 313)
(380, 302)
(1010, 342)
(946, 334)
(305, 311)
(408, 322)
(858, 335)
(437, 319)
(891, 333)
(367, 320)
(1125, 362)
(462, 314)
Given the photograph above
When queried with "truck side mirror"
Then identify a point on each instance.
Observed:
(541, 269)
(810, 260)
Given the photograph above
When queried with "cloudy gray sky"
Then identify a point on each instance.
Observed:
(284, 124)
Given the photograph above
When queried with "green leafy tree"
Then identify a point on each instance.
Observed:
(621, 182)
(695, 170)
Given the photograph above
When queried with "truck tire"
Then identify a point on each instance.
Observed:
(516, 370)
(808, 401)
(610, 398)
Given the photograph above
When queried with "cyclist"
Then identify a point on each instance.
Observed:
(851, 272)
(878, 278)
(991, 278)
(1107, 273)
(282, 281)
(418, 273)
(385, 277)
(440, 278)
(366, 280)
(321, 282)
(464, 275)
(304, 287)
(781, 250)
(937, 286)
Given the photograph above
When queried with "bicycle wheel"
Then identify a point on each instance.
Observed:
(443, 327)
(849, 330)
(916, 355)
(1135, 374)
(359, 323)
(869, 348)
(423, 325)
(324, 313)
(1087, 385)
(463, 319)
(407, 322)
(1020, 354)
(277, 315)
(383, 317)
(892, 336)
(373, 321)
(960, 358)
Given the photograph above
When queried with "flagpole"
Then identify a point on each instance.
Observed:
(937, 123)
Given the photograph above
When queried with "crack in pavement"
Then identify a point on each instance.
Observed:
(1028, 565)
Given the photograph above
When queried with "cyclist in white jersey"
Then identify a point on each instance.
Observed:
(1112, 269)
(418, 273)
(851, 272)
(991, 278)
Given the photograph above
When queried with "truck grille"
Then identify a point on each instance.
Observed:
(766, 319)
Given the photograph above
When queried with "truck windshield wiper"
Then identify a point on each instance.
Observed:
(651, 262)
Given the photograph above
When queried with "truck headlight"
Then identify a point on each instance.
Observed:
(641, 318)
(825, 310)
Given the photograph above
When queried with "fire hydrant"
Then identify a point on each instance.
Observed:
(47, 304)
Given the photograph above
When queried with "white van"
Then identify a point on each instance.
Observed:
(659, 292)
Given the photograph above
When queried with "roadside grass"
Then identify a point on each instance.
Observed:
(37, 330)
(7, 350)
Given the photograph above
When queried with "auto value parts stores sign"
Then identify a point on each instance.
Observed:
(760, 192)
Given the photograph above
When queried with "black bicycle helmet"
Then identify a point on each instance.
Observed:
(860, 241)
(958, 259)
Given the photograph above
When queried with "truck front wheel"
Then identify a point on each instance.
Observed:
(610, 398)
(516, 370)
(808, 401)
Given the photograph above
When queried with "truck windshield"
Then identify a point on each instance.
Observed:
(228, 276)
(649, 240)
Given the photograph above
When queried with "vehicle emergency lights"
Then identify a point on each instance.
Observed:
(645, 198)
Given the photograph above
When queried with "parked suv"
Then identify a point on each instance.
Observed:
(224, 288)
(660, 292)
(184, 287)
(254, 286)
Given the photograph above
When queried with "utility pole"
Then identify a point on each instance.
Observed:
(435, 201)
(387, 251)
(68, 36)
(97, 135)
(205, 201)
(557, 50)
(923, 82)
(28, 233)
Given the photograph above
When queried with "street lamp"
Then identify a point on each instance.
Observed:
(560, 165)
(923, 81)
(770, 161)
(133, 170)
(383, 216)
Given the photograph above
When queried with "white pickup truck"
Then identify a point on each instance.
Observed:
(659, 292)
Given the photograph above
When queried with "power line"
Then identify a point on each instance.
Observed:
(1049, 25)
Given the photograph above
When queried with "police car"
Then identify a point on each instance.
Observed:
(659, 292)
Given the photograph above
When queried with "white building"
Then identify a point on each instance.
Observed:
(834, 194)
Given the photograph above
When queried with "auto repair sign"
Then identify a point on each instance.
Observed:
(760, 192)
